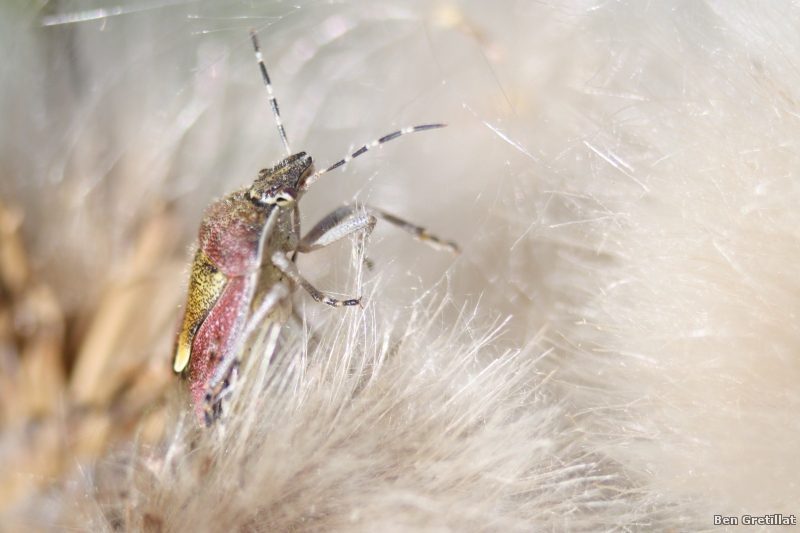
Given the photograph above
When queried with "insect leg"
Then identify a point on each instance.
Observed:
(418, 232)
(277, 293)
(317, 235)
(282, 263)
(296, 228)
(334, 227)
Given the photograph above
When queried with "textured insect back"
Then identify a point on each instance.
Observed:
(244, 271)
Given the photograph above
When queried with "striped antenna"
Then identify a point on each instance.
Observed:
(272, 102)
(386, 138)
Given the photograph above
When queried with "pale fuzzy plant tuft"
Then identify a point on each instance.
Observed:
(615, 349)
(364, 432)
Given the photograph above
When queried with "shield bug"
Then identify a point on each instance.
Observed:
(242, 274)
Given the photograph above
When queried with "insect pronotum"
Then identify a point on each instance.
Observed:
(242, 274)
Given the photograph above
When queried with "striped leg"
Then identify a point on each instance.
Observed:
(282, 263)
(331, 228)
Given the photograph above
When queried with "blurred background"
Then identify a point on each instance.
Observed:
(621, 177)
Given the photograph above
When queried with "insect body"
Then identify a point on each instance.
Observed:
(241, 273)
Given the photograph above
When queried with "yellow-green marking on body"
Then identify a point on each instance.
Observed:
(205, 287)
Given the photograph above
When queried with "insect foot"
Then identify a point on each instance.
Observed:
(242, 278)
